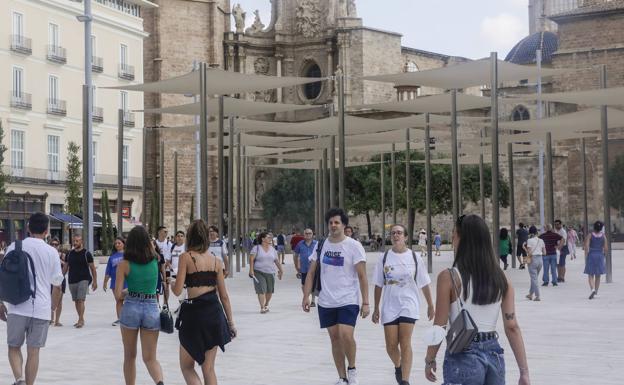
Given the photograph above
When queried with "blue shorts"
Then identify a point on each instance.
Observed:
(562, 255)
(140, 314)
(401, 320)
(280, 248)
(345, 315)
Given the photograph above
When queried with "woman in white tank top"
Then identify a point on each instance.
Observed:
(485, 292)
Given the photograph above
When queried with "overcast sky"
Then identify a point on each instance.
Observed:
(453, 27)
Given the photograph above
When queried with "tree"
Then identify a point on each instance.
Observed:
(4, 178)
(73, 184)
(616, 184)
(290, 199)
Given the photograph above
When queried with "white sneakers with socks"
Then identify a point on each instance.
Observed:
(352, 376)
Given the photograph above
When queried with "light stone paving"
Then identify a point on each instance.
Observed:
(569, 339)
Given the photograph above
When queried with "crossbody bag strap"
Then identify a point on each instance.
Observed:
(383, 265)
(459, 300)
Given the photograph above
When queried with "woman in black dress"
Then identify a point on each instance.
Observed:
(205, 320)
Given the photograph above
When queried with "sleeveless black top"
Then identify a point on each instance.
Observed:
(201, 278)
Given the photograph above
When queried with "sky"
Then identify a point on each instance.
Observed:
(465, 28)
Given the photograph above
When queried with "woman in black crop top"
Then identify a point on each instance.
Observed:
(205, 320)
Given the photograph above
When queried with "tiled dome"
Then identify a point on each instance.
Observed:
(524, 51)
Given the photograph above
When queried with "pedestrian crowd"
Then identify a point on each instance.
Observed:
(470, 297)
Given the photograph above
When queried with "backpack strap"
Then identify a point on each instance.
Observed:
(18, 250)
(383, 265)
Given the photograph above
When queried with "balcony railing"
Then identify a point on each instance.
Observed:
(128, 119)
(97, 115)
(21, 44)
(97, 64)
(57, 107)
(45, 176)
(57, 54)
(126, 71)
(21, 100)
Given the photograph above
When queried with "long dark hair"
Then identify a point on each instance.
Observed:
(477, 262)
(139, 248)
(503, 233)
(197, 238)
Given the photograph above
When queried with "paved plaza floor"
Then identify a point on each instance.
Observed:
(569, 339)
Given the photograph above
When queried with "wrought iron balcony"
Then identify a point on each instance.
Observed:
(33, 175)
(57, 54)
(57, 107)
(21, 44)
(97, 64)
(126, 71)
(97, 115)
(128, 119)
(21, 100)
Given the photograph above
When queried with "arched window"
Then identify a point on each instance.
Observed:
(520, 113)
(410, 66)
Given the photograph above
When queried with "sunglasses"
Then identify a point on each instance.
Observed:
(55, 244)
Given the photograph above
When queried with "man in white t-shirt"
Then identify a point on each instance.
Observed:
(343, 272)
(30, 320)
(176, 250)
(563, 251)
(165, 249)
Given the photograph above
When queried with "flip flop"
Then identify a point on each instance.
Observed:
(79, 325)
(58, 324)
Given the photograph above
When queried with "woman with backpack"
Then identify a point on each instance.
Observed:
(140, 315)
(477, 285)
(399, 275)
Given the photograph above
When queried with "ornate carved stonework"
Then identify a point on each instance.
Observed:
(239, 18)
(257, 25)
(308, 18)
(261, 67)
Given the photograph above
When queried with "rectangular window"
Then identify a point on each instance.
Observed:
(53, 89)
(18, 82)
(53, 156)
(18, 24)
(123, 55)
(125, 163)
(123, 100)
(53, 35)
(17, 152)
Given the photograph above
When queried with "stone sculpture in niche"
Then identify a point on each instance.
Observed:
(260, 187)
(257, 25)
(239, 18)
(261, 67)
(351, 8)
(308, 18)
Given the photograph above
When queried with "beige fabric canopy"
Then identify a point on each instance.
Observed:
(231, 107)
(473, 73)
(264, 140)
(585, 120)
(219, 82)
(448, 161)
(432, 103)
(600, 97)
(256, 151)
(308, 165)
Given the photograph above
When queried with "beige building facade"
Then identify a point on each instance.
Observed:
(41, 78)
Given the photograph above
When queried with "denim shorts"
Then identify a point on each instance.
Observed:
(483, 363)
(345, 315)
(140, 314)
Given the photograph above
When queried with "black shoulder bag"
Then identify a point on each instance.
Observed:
(463, 329)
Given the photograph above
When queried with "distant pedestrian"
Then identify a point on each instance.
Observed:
(348, 231)
(164, 249)
(301, 257)
(552, 243)
(437, 240)
(56, 312)
(534, 246)
(219, 248)
(398, 276)
(596, 249)
(261, 260)
(111, 273)
(563, 250)
(81, 274)
(422, 242)
(281, 246)
(140, 316)
(522, 236)
(504, 246)
(572, 239)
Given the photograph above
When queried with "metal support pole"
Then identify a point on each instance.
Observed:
(231, 231)
(604, 129)
(341, 141)
(244, 202)
(175, 192)
(460, 198)
(512, 204)
(332, 171)
(87, 169)
(494, 137)
(584, 176)
(550, 179)
(481, 180)
(143, 216)
(316, 202)
(198, 161)
(326, 179)
(203, 142)
(221, 166)
(161, 183)
(428, 193)
(538, 59)
(120, 138)
(323, 191)
(393, 179)
(408, 189)
(239, 229)
(454, 159)
(382, 185)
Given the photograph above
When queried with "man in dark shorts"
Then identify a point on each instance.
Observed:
(552, 241)
(81, 272)
(343, 278)
(301, 257)
(563, 250)
(522, 236)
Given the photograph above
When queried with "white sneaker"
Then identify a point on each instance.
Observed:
(352, 376)
(341, 382)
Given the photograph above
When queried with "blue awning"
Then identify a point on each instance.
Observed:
(71, 220)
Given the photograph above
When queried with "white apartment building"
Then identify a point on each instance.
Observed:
(41, 78)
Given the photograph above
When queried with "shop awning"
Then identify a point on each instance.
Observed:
(71, 220)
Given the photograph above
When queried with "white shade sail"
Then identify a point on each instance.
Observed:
(473, 73)
(432, 103)
(585, 120)
(231, 107)
(308, 165)
(264, 140)
(219, 82)
(600, 97)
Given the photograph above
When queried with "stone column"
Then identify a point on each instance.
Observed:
(343, 45)
(230, 58)
(330, 66)
(279, 74)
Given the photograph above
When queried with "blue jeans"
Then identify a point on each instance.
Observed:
(550, 263)
(140, 314)
(482, 364)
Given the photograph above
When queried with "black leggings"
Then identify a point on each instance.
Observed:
(504, 259)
